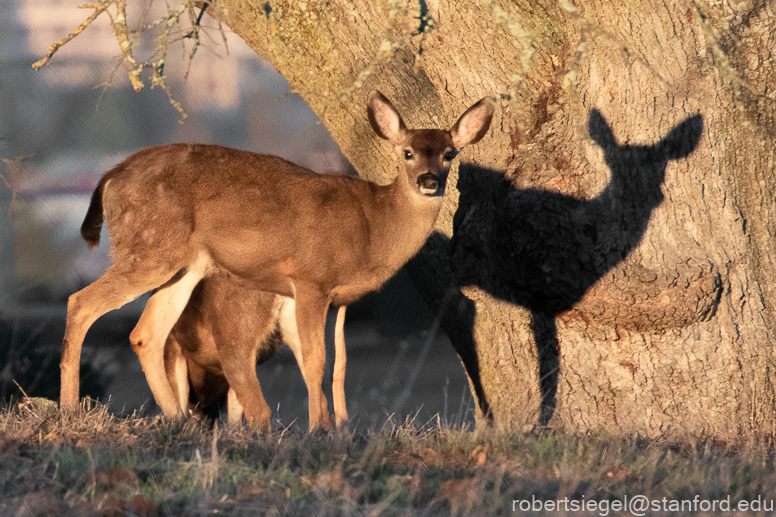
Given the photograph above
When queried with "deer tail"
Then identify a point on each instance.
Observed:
(92, 225)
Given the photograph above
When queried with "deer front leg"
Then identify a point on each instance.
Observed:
(311, 307)
(338, 378)
(287, 321)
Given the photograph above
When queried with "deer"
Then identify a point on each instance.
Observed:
(222, 333)
(179, 213)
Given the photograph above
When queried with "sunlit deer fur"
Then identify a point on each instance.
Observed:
(182, 212)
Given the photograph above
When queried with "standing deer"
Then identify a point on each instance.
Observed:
(224, 331)
(182, 212)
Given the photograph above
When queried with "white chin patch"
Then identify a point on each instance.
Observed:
(428, 191)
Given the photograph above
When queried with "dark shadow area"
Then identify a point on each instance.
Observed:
(29, 361)
(458, 311)
(543, 250)
(459, 314)
(462, 310)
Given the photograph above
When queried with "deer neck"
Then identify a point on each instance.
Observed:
(405, 220)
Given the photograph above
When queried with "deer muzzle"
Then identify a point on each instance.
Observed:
(428, 184)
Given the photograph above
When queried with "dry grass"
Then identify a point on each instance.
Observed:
(95, 463)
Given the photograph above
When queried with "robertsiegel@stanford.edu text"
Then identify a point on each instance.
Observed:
(639, 505)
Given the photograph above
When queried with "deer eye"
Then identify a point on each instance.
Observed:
(408, 155)
(449, 155)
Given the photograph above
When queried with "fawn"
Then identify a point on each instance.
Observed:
(224, 331)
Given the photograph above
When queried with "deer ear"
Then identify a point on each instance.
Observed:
(384, 119)
(473, 124)
(683, 139)
(600, 131)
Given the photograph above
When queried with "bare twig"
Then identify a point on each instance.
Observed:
(127, 37)
(13, 169)
(99, 8)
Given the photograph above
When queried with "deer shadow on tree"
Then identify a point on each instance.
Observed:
(543, 250)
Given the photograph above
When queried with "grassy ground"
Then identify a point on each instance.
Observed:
(94, 463)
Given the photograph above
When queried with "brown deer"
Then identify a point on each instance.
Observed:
(222, 333)
(182, 212)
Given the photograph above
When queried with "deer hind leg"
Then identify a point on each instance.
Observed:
(112, 290)
(310, 308)
(177, 372)
(150, 335)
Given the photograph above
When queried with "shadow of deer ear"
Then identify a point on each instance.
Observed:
(683, 139)
(601, 132)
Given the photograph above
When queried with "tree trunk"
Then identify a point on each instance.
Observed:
(604, 254)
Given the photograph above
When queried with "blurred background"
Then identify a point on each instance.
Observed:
(61, 128)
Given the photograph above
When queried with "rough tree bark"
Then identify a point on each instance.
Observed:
(610, 241)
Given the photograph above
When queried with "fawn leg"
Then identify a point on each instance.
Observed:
(245, 389)
(177, 372)
(234, 409)
(238, 340)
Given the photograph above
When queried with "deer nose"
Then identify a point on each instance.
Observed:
(428, 183)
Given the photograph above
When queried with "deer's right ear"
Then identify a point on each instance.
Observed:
(384, 119)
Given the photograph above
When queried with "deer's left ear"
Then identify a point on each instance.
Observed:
(473, 124)
(601, 132)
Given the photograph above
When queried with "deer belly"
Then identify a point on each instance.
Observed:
(351, 292)
(269, 278)
(255, 266)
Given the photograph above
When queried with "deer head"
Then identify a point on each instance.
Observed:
(428, 153)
